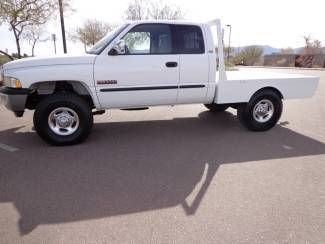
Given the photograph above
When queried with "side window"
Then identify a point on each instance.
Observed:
(137, 42)
(189, 39)
(149, 39)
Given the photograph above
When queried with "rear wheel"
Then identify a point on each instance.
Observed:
(216, 107)
(63, 119)
(262, 112)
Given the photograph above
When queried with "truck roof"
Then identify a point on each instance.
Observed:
(181, 22)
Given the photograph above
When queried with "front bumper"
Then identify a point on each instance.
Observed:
(14, 99)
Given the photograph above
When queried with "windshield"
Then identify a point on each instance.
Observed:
(106, 40)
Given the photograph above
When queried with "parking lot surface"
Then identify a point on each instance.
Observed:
(168, 175)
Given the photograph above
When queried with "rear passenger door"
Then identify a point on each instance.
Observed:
(194, 63)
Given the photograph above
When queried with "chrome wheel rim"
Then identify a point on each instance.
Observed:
(263, 111)
(63, 121)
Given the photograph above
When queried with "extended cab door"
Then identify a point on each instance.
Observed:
(147, 74)
(194, 64)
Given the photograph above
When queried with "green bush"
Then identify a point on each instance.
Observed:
(3, 59)
(251, 55)
(230, 66)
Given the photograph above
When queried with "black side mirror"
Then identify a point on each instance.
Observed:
(112, 52)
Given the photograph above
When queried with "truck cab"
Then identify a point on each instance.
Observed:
(153, 63)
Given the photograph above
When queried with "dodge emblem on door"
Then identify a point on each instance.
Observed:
(106, 82)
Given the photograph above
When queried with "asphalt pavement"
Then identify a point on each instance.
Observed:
(168, 175)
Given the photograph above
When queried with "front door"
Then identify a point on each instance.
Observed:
(147, 74)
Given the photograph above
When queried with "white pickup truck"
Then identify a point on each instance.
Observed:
(142, 64)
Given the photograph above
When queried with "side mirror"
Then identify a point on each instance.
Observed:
(118, 49)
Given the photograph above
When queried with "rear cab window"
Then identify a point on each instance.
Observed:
(188, 39)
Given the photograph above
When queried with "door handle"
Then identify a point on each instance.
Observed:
(171, 64)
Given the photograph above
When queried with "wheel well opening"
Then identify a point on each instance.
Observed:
(46, 88)
(269, 89)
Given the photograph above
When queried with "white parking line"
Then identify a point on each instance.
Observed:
(8, 148)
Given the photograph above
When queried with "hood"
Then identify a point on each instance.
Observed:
(52, 60)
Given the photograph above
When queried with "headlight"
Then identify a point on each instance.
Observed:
(11, 82)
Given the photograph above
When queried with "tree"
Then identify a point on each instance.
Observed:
(33, 35)
(312, 46)
(143, 10)
(251, 55)
(91, 32)
(19, 14)
(163, 11)
(317, 47)
(137, 10)
(308, 46)
(7, 55)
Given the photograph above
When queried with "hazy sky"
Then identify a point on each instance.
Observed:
(279, 23)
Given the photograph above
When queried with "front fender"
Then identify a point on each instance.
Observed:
(82, 73)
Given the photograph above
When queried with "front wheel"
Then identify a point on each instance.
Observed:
(262, 112)
(63, 119)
